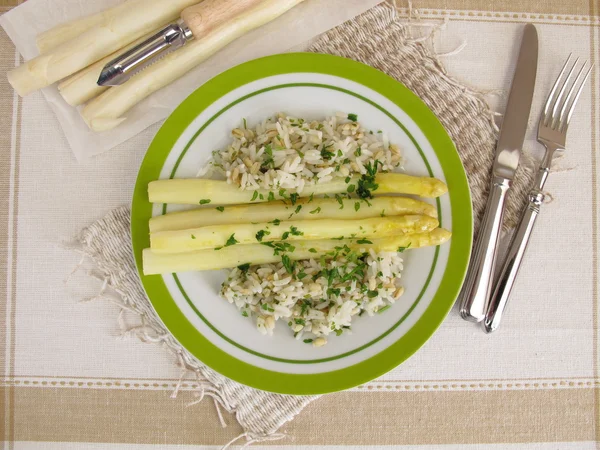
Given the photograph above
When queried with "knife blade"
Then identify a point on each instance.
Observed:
(516, 117)
(196, 21)
(478, 283)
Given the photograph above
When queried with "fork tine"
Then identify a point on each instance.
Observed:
(554, 118)
(565, 105)
(550, 99)
(572, 108)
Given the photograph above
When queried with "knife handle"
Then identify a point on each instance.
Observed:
(509, 271)
(208, 15)
(478, 284)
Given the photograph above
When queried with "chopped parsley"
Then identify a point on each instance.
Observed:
(372, 294)
(231, 241)
(244, 267)
(358, 151)
(298, 208)
(338, 197)
(363, 241)
(307, 341)
(220, 208)
(347, 180)
(269, 161)
(245, 313)
(245, 124)
(254, 196)
(351, 189)
(204, 201)
(312, 250)
(288, 264)
(366, 183)
(325, 153)
(275, 222)
(193, 237)
(293, 231)
(382, 213)
(316, 211)
(279, 247)
(352, 117)
(271, 197)
(356, 206)
(402, 249)
(293, 198)
(261, 234)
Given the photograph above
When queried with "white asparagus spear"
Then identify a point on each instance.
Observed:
(194, 191)
(107, 110)
(154, 263)
(219, 236)
(83, 86)
(135, 19)
(70, 30)
(317, 209)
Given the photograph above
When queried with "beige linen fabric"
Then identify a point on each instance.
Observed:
(67, 383)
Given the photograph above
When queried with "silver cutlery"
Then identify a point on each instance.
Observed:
(552, 134)
(478, 284)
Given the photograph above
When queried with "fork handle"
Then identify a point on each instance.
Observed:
(478, 284)
(508, 273)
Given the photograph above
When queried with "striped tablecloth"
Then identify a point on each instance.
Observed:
(68, 382)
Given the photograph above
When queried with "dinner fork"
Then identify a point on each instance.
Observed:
(552, 134)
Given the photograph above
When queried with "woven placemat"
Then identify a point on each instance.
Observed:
(376, 38)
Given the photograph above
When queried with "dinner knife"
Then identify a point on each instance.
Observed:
(196, 21)
(478, 284)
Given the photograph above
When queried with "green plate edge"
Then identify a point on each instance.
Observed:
(460, 244)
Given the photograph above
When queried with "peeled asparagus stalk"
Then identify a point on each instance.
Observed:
(70, 30)
(192, 191)
(154, 263)
(317, 209)
(131, 21)
(83, 86)
(107, 110)
(219, 236)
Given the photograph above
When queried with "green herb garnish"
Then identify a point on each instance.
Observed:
(261, 234)
(244, 267)
(204, 201)
(402, 249)
(316, 211)
(312, 250)
(288, 264)
(352, 117)
(363, 241)
(231, 241)
(254, 196)
(220, 208)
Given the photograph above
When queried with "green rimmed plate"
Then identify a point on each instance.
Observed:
(312, 86)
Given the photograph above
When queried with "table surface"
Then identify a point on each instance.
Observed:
(67, 381)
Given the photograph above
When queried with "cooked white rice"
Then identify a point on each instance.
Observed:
(285, 152)
(318, 297)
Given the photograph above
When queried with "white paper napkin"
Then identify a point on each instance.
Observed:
(302, 23)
